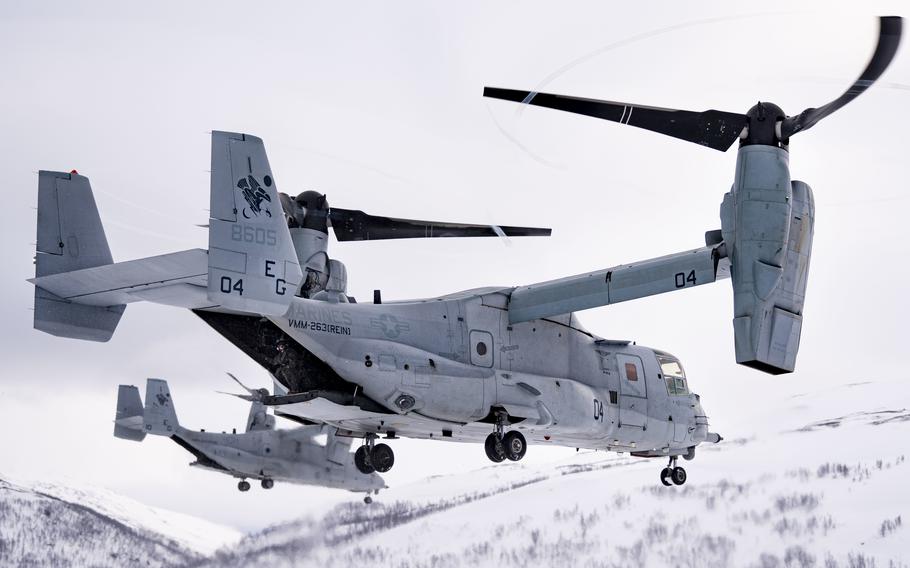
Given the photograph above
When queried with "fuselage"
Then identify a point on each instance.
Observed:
(440, 365)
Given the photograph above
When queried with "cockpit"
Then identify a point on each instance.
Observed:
(674, 375)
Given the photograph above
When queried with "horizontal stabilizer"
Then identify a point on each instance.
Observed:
(177, 278)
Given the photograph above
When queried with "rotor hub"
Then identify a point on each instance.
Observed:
(762, 127)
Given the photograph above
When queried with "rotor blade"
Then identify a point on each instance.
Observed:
(245, 397)
(889, 37)
(354, 225)
(243, 386)
(712, 128)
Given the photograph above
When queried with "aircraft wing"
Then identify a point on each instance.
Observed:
(177, 279)
(619, 284)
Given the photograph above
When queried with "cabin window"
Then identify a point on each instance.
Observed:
(631, 372)
(482, 348)
(673, 374)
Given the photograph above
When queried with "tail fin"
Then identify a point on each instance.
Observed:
(253, 265)
(129, 420)
(70, 237)
(160, 416)
(259, 418)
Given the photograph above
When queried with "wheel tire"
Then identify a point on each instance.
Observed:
(382, 458)
(243, 486)
(367, 499)
(494, 448)
(267, 483)
(678, 475)
(515, 445)
(665, 476)
(362, 461)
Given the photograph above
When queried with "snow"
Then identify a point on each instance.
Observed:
(802, 479)
(805, 479)
(192, 533)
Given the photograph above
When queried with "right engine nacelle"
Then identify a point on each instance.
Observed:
(767, 224)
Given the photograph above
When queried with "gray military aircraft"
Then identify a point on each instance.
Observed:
(261, 452)
(494, 365)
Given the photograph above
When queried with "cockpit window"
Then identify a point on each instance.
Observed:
(673, 373)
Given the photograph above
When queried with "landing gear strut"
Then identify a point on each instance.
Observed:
(672, 474)
(500, 445)
(372, 457)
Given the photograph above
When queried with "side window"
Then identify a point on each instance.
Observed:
(632, 382)
(481, 348)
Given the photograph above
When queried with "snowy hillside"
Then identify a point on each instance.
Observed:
(821, 481)
(46, 524)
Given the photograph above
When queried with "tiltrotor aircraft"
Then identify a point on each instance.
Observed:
(261, 452)
(498, 365)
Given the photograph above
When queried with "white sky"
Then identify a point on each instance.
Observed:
(379, 105)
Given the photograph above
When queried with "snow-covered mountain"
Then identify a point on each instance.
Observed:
(820, 480)
(44, 524)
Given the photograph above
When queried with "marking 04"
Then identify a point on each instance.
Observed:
(681, 279)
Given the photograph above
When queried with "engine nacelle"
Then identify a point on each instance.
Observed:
(767, 224)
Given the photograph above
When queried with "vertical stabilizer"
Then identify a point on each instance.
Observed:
(70, 238)
(129, 422)
(160, 416)
(253, 266)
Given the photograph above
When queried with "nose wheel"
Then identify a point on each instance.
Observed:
(243, 486)
(673, 474)
(372, 457)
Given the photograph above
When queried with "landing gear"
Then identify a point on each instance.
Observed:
(494, 448)
(267, 483)
(678, 476)
(372, 457)
(673, 474)
(515, 445)
(382, 458)
(367, 499)
(362, 461)
(500, 445)
(243, 485)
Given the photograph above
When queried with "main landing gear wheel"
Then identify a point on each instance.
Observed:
(665, 476)
(244, 485)
(515, 445)
(362, 461)
(678, 476)
(267, 483)
(367, 499)
(494, 448)
(382, 458)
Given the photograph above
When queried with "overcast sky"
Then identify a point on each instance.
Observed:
(379, 106)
